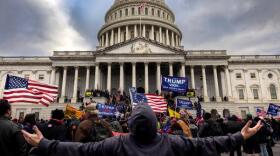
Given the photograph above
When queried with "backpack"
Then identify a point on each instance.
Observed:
(98, 132)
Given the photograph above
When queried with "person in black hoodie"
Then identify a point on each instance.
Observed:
(143, 140)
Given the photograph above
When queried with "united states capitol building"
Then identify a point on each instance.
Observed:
(135, 54)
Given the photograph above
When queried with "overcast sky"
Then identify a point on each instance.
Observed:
(38, 27)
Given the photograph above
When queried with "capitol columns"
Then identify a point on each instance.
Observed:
(172, 39)
(109, 75)
(160, 35)
(97, 77)
(205, 90)
(183, 69)
(217, 93)
(127, 33)
(112, 37)
(135, 31)
(229, 91)
(158, 78)
(144, 31)
(167, 37)
(63, 89)
(192, 77)
(152, 37)
(53, 75)
(75, 89)
(121, 77)
(146, 77)
(119, 34)
(133, 74)
(170, 69)
(107, 39)
(87, 78)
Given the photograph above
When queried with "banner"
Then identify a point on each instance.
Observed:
(106, 110)
(184, 104)
(72, 112)
(172, 113)
(273, 109)
(174, 84)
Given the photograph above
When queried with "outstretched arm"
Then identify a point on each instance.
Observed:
(215, 145)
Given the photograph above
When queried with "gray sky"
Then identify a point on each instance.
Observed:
(38, 27)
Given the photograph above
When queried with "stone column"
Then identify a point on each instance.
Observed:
(133, 74)
(170, 69)
(121, 77)
(229, 91)
(107, 39)
(87, 78)
(160, 34)
(135, 31)
(96, 83)
(183, 69)
(261, 96)
(172, 39)
(53, 75)
(63, 89)
(75, 88)
(205, 90)
(146, 77)
(126, 33)
(112, 37)
(167, 37)
(119, 34)
(176, 41)
(217, 93)
(158, 78)
(109, 71)
(192, 77)
(152, 33)
(144, 31)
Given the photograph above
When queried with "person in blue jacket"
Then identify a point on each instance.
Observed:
(143, 140)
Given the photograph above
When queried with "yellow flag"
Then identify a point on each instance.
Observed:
(172, 113)
(72, 112)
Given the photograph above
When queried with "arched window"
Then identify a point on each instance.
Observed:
(126, 12)
(132, 11)
(120, 13)
(158, 13)
(146, 11)
(153, 11)
(273, 92)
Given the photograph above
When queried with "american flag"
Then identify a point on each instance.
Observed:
(21, 90)
(260, 112)
(141, 6)
(157, 103)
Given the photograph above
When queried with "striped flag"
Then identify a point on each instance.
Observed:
(260, 112)
(157, 103)
(23, 90)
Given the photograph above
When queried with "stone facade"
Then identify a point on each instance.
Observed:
(238, 83)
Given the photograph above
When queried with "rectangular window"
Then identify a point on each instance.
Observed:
(132, 11)
(26, 76)
(238, 75)
(256, 94)
(241, 94)
(253, 75)
(41, 77)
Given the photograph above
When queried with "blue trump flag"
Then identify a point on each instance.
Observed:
(184, 104)
(106, 110)
(273, 109)
(174, 84)
(137, 97)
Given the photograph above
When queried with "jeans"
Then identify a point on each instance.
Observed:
(263, 150)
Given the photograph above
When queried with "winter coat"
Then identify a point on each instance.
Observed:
(54, 130)
(12, 142)
(143, 140)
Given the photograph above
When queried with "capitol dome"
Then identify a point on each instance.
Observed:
(122, 23)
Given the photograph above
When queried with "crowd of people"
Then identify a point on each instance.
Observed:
(94, 128)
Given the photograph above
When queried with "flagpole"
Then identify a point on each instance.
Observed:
(140, 23)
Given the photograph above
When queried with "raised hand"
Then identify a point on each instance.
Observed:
(247, 132)
(33, 139)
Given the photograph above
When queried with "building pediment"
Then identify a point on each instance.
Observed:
(140, 46)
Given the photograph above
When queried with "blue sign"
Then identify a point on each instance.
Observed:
(106, 110)
(174, 84)
(184, 104)
(273, 109)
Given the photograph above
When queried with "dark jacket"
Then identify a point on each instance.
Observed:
(54, 130)
(12, 142)
(210, 128)
(144, 141)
